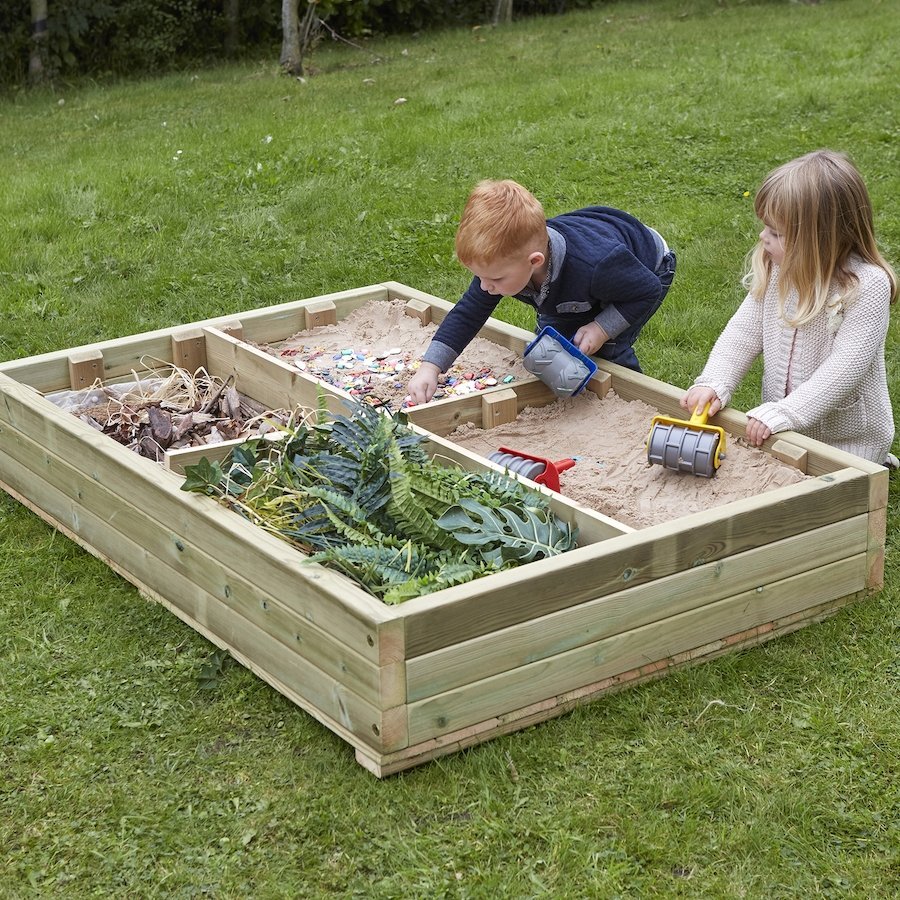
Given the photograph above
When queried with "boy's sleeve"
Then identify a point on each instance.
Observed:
(461, 324)
(625, 288)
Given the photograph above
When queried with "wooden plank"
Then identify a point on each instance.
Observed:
(443, 416)
(176, 461)
(498, 408)
(189, 350)
(49, 371)
(480, 700)
(267, 379)
(540, 638)
(420, 310)
(458, 614)
(87, 506)
(877, 521)
(386, 764)
(791, 454)
(324, 597)
(85, 368)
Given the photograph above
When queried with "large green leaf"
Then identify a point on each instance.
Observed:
(515, 532)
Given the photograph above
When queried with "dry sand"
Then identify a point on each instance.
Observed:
(374, 350)
(611, 474)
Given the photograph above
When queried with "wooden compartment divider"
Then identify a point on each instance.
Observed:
(406, 684)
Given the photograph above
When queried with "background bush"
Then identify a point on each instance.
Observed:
(101, 38)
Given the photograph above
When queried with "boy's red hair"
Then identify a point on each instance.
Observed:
(500, 219)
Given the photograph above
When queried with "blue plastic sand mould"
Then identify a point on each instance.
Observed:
(558, 363)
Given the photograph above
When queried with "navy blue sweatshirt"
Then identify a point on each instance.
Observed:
(602, 268)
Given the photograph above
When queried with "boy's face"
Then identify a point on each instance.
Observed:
(508, 276)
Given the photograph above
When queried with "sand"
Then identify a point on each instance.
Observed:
(607, 437)
(374, 350)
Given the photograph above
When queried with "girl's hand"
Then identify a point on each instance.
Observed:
(698, 396)
(423, 384)
(757, 432)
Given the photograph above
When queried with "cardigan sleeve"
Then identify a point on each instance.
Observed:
(739, 344)
(858, 340)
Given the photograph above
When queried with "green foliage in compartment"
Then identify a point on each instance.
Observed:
(362, 496)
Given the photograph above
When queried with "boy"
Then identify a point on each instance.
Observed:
(596, 275)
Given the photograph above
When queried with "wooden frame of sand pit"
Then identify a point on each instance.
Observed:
(409, 683)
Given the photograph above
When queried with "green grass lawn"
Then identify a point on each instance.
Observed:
(136, 762)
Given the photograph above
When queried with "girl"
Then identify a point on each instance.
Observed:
(817, 311)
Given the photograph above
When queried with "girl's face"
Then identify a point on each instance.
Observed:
(773, 243)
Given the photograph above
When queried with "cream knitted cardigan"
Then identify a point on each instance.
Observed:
(825, 379)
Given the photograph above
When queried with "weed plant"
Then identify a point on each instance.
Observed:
(135, 761)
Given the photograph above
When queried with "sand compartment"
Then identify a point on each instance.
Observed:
(607, 437)
(373, 352)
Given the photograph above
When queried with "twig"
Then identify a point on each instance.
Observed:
(214, 397)
(719, 703)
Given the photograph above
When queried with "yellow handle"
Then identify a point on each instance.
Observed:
(700, 416)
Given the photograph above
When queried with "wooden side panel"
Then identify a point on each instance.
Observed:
(49, 371)
(480, 700)
(547, 636)
(324, 598)
(458, 614)
(206, 612)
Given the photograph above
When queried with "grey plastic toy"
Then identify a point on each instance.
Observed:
(558, 363)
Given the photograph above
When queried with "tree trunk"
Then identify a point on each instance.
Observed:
(291, 58)
(37, 65)
(503, 12)
(232, 9)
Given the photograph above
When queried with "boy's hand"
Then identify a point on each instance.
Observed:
(697, 397)
(423, 384)
(590, 338)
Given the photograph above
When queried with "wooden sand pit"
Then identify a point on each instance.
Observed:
(405, 684)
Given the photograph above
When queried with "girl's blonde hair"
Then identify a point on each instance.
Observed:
(821, 208)
(500, 219)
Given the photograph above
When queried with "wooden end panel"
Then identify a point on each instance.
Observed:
(628, 560)
(637, 648)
